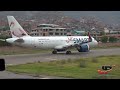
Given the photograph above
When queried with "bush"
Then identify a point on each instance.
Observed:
(39, 61)
(104, 39)
(69, 60)
(83, 63)
(77, 60)
(95, 60)
(63, 61)
(113, 39)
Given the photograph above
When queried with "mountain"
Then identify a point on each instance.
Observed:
(29, 14)
(108, 17)
(67, 19)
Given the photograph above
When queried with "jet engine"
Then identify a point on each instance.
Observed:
(84, 48)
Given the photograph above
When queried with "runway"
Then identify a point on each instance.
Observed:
(28, 58)
(43, 57)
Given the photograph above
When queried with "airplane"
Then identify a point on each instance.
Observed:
(57, 43)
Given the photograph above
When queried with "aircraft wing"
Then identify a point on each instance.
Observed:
(65, 46)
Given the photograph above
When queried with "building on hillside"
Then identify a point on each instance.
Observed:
(95, 33)
(108, 36)
(48, 30)
(106, 31)
(114, 31)
(78, 32)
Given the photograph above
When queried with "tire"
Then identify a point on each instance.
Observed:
(54, 52)
(68, 52)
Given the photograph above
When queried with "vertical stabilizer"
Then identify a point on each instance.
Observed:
(15, 28)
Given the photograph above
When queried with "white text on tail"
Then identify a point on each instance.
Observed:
(15, 28)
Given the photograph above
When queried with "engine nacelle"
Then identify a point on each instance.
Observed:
(84, 48)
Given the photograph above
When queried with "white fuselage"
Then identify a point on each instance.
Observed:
(51, 42)
(58, 43)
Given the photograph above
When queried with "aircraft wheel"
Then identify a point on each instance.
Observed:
(54, 52)
(68, 52)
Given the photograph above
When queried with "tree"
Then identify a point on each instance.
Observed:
(104, 39)
(102, 33)
(113, 39)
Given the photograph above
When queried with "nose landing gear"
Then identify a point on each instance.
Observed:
(54, 52)
(68, 52)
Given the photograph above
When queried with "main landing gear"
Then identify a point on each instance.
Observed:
(55, 52)
(68, 52)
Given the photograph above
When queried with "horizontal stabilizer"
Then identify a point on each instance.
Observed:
(15, 28)
(2, 40)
